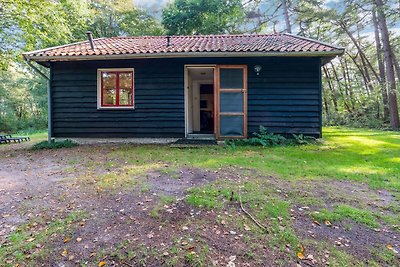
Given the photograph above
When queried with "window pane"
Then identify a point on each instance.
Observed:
(231, 102)
(125, 88)
(109, 82)
(231, 125)
(231, 78)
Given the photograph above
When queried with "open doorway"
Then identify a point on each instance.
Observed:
(200, 108)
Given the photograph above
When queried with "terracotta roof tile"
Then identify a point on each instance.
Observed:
(157, 45)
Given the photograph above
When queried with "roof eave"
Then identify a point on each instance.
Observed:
(333, 53)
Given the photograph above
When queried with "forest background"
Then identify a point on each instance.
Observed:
(361, 88)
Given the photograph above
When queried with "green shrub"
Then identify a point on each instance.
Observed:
(301, 139)
(54, 144)
(266, 139)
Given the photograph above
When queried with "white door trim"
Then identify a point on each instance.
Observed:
(186, 88)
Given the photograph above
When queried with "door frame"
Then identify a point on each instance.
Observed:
(217, 91)
(186, 91)
(216, 68)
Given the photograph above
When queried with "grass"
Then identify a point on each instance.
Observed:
(24, 244)
(164, 200)
(125, 177)
(342, 212)
(362, 155)
(209, 197)
(356, 155)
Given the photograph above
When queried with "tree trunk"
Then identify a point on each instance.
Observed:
(359, 49)
(396, 66)
(326, 106)
(346, 105)
(331, 88)
(364, 74)
(347, 82)
(381, 67)
(388, 55)
(286, 15)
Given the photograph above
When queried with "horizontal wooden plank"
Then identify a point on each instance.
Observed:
(119, 119)
(283, 91)
(119, 130)
(121, 124)
(285, 113)
(107, 115)
(92, 83)
(122, 134)
(284, 108)
(290, 130)
(89, 101)
(138, 95)
(282, 85)
(254, 119)
(138, 108)
(252, 97)
(289, 124)
(282, 102)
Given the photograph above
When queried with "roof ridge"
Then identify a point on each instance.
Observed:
(191, 36)
(148, 46)
(314, 41)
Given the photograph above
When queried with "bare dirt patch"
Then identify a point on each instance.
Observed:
(153, 225)
(177, 182)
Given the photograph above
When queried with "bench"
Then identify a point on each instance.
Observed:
(8, 138)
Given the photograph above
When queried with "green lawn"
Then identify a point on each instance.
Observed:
(369, 156)
(308, 198)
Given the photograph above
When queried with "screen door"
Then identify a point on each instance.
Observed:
(232, 101)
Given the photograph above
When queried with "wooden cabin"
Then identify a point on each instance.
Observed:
(219, 86)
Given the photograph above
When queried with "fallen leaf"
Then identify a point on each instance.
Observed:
(246, 227)
(150, 235)
(102, 263)
(391, 248)
(30, 239)
(300, 255)
(316, 222)
(67, 239)
(327, 223)
(310, 257)
(166, 253)
(232, 258)
(64, 253)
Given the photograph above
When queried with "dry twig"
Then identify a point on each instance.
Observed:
(250, 216)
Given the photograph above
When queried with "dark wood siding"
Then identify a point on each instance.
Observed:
(285, 97)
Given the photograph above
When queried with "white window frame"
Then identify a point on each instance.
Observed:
(99, 100)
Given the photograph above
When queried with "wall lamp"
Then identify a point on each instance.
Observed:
(257, 69)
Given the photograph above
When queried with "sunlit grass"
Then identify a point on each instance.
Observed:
(342, 212)
(127, 177)
(363, 155)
